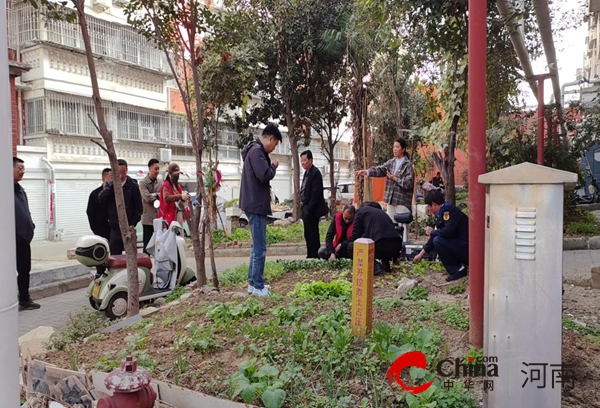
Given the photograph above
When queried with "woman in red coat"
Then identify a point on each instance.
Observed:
(170, 196)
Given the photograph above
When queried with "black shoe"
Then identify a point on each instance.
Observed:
(378, 269)
(386, 266)
(460, 274)
(28, 305)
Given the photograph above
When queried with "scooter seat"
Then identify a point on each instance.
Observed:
(120, 261)
(403, 218)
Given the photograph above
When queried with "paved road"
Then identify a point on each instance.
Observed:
(55, 309)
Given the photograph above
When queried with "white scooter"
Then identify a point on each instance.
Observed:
(108, 291)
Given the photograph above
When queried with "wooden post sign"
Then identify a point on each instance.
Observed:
(362, 286)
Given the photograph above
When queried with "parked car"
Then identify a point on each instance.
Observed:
(344, 193)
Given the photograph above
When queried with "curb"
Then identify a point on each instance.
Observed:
(58, 280)
(273, 250)
(580, 243)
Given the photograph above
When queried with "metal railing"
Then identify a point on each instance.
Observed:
(69, 115)
(65, 114)
(29, 26)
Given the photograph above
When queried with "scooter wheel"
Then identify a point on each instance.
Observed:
(117, 307)
(93, 304)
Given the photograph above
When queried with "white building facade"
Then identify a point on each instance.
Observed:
(63, 163)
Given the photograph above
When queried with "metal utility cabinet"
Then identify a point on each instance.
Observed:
(523, 284)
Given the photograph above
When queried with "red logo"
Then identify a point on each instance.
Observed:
(411, 359)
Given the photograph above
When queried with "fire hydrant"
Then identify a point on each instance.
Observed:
(130, 386)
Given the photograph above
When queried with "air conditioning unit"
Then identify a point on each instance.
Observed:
(336, 166)
(165, 155)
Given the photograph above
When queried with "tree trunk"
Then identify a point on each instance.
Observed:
(356, 107)
(291, 125)
(127, 232)
(332, 199)
(198, 144)
(445, 163)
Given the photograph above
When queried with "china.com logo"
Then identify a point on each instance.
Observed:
(484, 366)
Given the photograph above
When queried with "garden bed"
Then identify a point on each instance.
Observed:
(296, 349)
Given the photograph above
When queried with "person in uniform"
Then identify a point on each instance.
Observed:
(451, 238)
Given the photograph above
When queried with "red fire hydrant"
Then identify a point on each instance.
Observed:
(130, 387)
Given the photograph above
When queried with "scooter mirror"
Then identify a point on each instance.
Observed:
(156, 204)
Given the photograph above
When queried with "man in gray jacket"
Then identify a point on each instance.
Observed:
(24, 234)
(255, 201)
(150, 191)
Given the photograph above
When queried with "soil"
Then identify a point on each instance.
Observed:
(209, 371)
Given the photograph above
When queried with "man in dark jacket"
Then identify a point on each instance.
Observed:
(133, 207)
(451, 238)
(373, 223)
(338, 235)
(24, 234)
(97, 213)
(312, 203)
(255, 201)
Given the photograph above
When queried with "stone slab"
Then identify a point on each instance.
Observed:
(122, 324)
(33, 342)
(595, 277)
(574, 244)
(594, 242)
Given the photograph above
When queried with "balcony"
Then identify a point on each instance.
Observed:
(28, 27)
(69, 115)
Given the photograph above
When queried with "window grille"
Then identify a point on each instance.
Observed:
(28, 26)
(59, 113)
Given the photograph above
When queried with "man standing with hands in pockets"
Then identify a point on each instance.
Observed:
(255, 201)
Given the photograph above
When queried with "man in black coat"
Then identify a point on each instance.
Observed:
(372, 222)
(451, 238)
(97, 213)
(25, 228)
(133, 207)
(312, 203)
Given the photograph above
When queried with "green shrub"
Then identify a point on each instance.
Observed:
(455, 317)
(79, 326)
(581, 222)
(323, 290)
(416, 293)
(239, 274)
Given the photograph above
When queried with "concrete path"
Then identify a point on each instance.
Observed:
(55, 309)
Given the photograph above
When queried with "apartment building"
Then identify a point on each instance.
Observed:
(53, 112)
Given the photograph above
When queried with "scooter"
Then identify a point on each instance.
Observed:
(108, 291)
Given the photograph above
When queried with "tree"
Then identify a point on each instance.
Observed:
(128, 233)
(292, 63)
(327, 123)
(436, 32)
(176, 27)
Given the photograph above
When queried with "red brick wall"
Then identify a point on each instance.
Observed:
(14, 115)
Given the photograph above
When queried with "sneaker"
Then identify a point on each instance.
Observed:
(261, 292)
(28, 305)
(251, 288)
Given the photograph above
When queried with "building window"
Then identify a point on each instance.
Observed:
(128, 125)
(35, 117)
(229, 153)
(64, 117)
